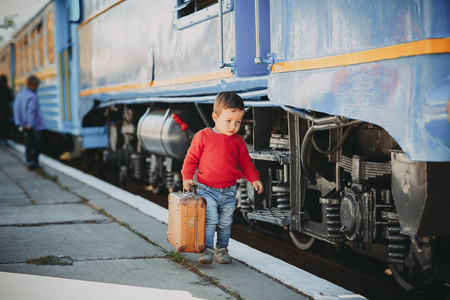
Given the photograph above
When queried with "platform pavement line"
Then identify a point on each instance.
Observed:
(140, 203)
(307, 283)
(53, 288)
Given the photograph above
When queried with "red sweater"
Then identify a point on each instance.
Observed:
(221, 160)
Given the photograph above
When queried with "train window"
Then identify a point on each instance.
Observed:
(26, 55)
(19, 57)
(22, 56)
(50, 46)
(33, 49)
(190, 12)
(4, 64)
(8, 64)
(187, 7)
(17, 54)
(41, 45)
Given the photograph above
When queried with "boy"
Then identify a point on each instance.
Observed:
(221, 158)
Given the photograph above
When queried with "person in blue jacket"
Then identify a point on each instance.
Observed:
(28, 116)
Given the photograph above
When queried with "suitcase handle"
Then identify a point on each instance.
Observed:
(190, 193)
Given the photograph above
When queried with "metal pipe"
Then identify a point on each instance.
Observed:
(221, 63)
(325, 123)
(306, 145)
(310, 117)
(300, 113)
(258, 59)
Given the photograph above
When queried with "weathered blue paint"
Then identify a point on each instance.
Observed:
(245, 37)
(61, 24)
(136, 42)
(408, 96)
(318, 28)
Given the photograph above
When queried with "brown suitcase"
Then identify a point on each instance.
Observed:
(187, 214)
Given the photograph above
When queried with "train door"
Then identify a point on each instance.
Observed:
(64, 41)
(68, 16)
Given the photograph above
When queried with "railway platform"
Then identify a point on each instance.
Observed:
(65, 234)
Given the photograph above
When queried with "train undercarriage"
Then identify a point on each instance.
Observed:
(344, 182)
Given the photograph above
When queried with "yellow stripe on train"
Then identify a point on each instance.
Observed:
(428, 46)
(160, 83)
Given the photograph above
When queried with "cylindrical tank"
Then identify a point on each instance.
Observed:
(160, 134)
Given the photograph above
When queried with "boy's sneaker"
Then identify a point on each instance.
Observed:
(206, 257)
(222, 256)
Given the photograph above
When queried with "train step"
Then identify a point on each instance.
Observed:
(281, 217)
(283, 157)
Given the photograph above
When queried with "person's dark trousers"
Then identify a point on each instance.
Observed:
(4, 131)
(33, 145)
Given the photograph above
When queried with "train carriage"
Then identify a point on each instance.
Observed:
(47, 46)
(34, 49)
(347, 115)
(367, 87)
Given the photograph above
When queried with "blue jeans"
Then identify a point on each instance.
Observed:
(220, 205)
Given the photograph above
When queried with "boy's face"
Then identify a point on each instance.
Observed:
(228, 121)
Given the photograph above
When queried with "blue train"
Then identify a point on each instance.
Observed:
(347, 102)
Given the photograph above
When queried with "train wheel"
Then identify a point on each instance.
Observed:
(301, 241)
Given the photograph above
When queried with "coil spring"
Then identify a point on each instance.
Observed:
(138, 165)
(170, 181)
(152, 175)
(334, 221)
(244, 200)
(398, 244)
(281, 193)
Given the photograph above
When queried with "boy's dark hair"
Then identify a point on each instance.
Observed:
(228, 100)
